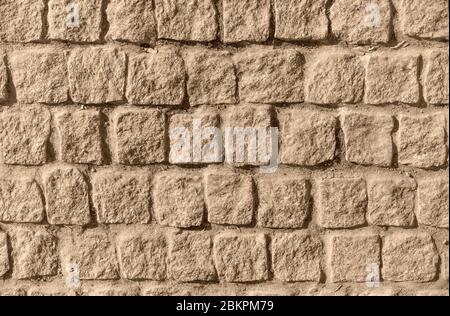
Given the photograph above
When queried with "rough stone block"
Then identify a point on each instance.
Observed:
(4, 255)
(432, 201)
(436, 77)
(21, 21)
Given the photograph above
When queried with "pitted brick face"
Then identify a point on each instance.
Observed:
(224, 147)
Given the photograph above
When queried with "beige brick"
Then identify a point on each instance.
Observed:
(131, 21)
(185, 20)
(4, 254)
(91, 253)
(80, 139)
(422, 140)
(60, 12)
(20, 200)
(221, 190)
(212, 78)
(190, 137)
(24, 136)
(361, 21)
(444, 264)
(392, 78)
(50, 290)
(21, 21)
(66, 196)
(4, 91)
(341, 202)
(97, 75)
(238, 124)
(409, 256)
(351, 257)
(121, 197)
(432, 292)
(190, 257)
(432, 201)
(40, 76)
(335, 78)
(114, 290)
(140, 136)
(307, 138)
(34, 253)
(296, 257)
(391, 201)
(142, 254)
(246, 20)
(270, 76)
(156, 78)
(241, 257)
(12, 291)
(178, 199)
(423, 19)
(436, 77)
(304, 20)
(284, 201)
(368, 138)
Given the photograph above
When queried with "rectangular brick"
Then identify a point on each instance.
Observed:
(156, 78)
(185, 20)
(241, 257)
(243, 141)
(80, 139)
(341, 202)
(392, 78)
(139, 136)
(351, 257)
(422, 141)
(361, 21)
(121, 197)
(91, 255)
(114, 290)
(423, 19)
(304, 20)
(296, 257)
(307, 138)
(190, 257)
(79, 21)
(432, 201)
(270, 76)
(21, 21)
(40, 76)
(195, 138)
(211, 77)
(221, 190)
(20, 200)
(284, 201)
(335, 78)
(246, 20)
(436, 77)
(178, 199)
(97, 75)
(131, 21)
(409, 256)
(24, 136)
(35, 253)
(391, 201)
(67, 196)
(368, 138)
(142, 254)
(4, 254)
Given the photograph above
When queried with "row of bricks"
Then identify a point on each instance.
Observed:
(159, 77)
(190, 256)
(144, 21)
(136, 136)
(184, 199)
(151, 288)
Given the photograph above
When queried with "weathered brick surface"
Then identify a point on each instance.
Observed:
(40, 76)
(87, 12)
(409, 256)
(224, 147)
(422, 140)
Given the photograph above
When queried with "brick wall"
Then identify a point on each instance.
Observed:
(93, 202)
